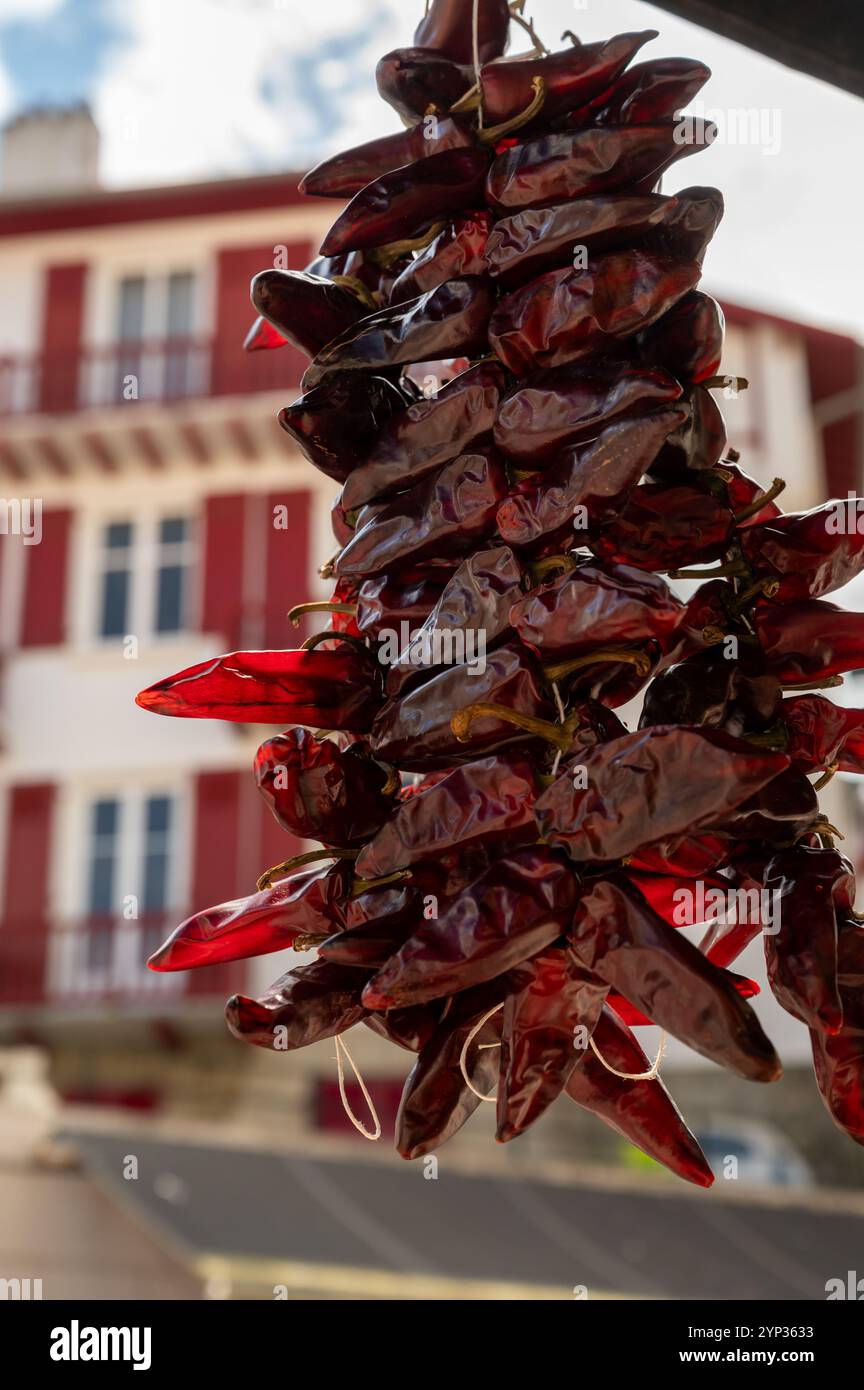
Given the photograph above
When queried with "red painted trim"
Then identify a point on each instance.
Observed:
(148, 447)
(100, 451)
(51, 453)
(288, 565)
(196, 443)
(43, 621)
(222, 605)
(60, 339)
(216, 837)
(10, 460)
(152, 204)
(243, 439)
(29, 824)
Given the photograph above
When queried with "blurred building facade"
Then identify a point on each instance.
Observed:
(178, 521)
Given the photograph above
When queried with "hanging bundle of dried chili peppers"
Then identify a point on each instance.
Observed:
(501, 859)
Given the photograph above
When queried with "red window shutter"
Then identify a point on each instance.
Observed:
(215, 861)
(43, 622)
(288, 562)
(27, 862)
(224, 546)
(234, 370)
(62, 325)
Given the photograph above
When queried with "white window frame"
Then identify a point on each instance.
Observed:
(145, 556)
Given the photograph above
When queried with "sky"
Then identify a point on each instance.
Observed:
(195, 89)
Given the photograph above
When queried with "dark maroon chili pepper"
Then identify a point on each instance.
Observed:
(664, 528)
(404, 201)
(414, 732)
(340, 418)
(563, 406)
(261, 336)
(386, 601)
(444, 515)
(429, 433)
(538, 1036)
(307, 1004)
(688, 339)
(475, 603)
(313, 903)
(341, 524)
(596, 476)
(448, 27)
(449, 321)
(740, 696)
(591, 607)
(810, 886)
(408, 1028)
(417, 80)
(741, 491)
(567, 315)
(693, 857)
(319, 791)
(619, 937)
(642, 1112)
(327, 690)
(648, 92)
(779, 814)
(635, 1018)
(604, 159)
(698, 443)
(460, 249)
(343, 175)
(850, 968)
(821, 735)
(692, 220)
(809, 553)
(838, 1062)
(811, 640)
(649, 787)
(436, 1100)
(484, 802)
(306, 309)
(517, 907)
(570, 78)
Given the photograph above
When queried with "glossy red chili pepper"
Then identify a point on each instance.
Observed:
(404, 201)
(447, 322)
(342, 416)
(445, 515)
(642, 1112)
(567, 315)
(605, 159)
(262, 335)
(778, 814)
(697, 444)
(809, 553)
(650, 787)
(408, 1028)
(344, 174)
(596, 476)
(414, 732)
(448, 27)
(517, 907)
(820, 734)
(306, 309)
(592, 607)
(565, 405)
(647, 92)
(387, 601)
(417, 80)
(619, 937)
(312, 903)
(307, 1004)
(693, 857)
(664, 528)
(328, 690)
(318, 791)
(459, 249)
(838, 1062)
(688, 339)
(570, 78)
(810, 640)
(742, 696)
(810, 886)
(428, 434)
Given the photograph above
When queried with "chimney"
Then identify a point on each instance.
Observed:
(50, 150)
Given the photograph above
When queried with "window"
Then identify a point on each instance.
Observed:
(156, 357)
(144, 577)
(104, 841)
(157, 845)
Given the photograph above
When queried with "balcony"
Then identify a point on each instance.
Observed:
(100, 963)
(163, 371)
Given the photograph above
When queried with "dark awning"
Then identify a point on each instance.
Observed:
(825, 40)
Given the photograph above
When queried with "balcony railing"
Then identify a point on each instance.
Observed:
(99, 962)
(164, 371)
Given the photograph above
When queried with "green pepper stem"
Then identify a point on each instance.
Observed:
(828, 684)
(323, 606)
(741, 382)
(318, 637)
(761, 501)
(731, 569)
(558, 734)
(538, 568)
(559, 669)
(490, 135)
(362, 885)
(297, 860)
(826, 777)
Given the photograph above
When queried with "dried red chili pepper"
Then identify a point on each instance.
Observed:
(262, 336)
(303, 1006)
(429, 433)
(647, 92)
(568, 404)
(448, 27)
(619, 937)
(387, 601)
(340, 417)
(809, 553)
(459, 249)
(306, 309)
(593, 607)
(405, 201)
(688, 339)
(570, 78)
(319, 791)
(642, 1112)
(698, 443)
(517, 907)
(604, 159)
(447, 322)
(344, 174)
(811, 640)
(567, 315)
(664, 528)
(313, 903)
(821, 735)
(417, 80)
(810, 886)
(328, 690)
(741, 696)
